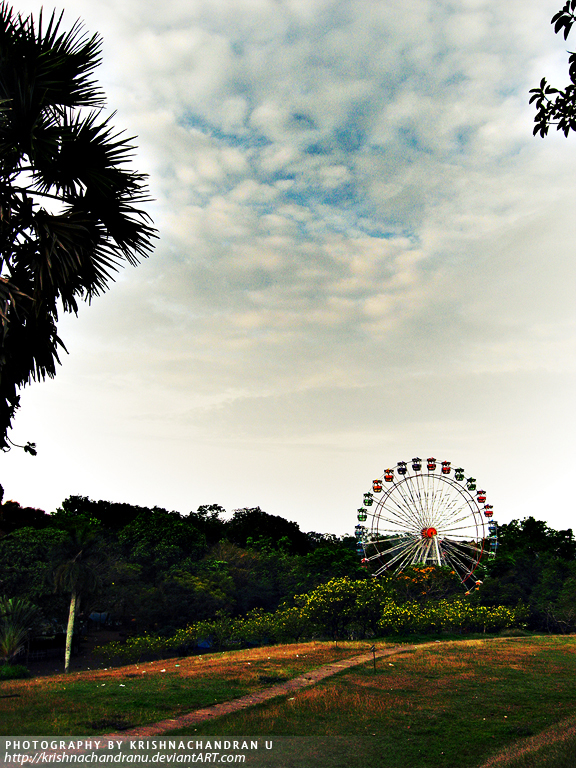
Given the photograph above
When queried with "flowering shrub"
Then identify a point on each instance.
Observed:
(425, 582)
(290, 623)
(341, 607)
(136, 649)
(456, 616)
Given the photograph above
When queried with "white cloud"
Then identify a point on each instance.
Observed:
(361, 242)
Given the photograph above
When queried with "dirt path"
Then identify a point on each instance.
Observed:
(227, 707)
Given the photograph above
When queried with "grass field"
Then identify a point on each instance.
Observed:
(448, 705)
(106, 700)
(502, 703)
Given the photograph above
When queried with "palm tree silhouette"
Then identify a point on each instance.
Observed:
(68, 202)
(76, 571)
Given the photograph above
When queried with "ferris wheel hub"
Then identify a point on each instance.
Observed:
(429, 533)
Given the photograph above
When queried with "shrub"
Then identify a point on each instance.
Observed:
(341, 606)
(139, 648)
(444, 616)
(14, 672)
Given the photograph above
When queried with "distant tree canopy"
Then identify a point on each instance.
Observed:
(534, 537)
(537, 566)
(69, 215)
(558, 107)
(14, 516)
(254, 524)
(160, 570)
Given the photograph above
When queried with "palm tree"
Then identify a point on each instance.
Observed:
(68, 218)
(17, 616)
(76, 571)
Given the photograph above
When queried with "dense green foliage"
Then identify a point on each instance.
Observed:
(536, 565)
(253, 576)
(340, 608)
(14, 672)
(160, 570)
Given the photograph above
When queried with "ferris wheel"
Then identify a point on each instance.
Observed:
(426, 513)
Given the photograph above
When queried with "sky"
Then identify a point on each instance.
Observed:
(364, 256)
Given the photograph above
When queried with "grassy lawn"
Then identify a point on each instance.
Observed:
(88, 703)
(448, 705)
(499, 703)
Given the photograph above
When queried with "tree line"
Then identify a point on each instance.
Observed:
(155, 570)
(158, 571)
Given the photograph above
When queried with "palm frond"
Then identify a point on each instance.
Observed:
(51, 147)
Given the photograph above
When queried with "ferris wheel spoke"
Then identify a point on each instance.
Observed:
(471, 556)
(396, 538)
(402, 546)
(461, 523)
(455, 497)
(407, 507)
(461, 557)
(450, 506)
(465, 560)
(416, 496)
(419, 555)
(387, 545)
(464, 545)
(397, 545)
(434, 495)
(470, 527)
(416, 493)
(445, 514)
(441, 497)
(462, 568)
(400, 561)
(399, 506)
(464, 508)
(404, 555)
(412, 557)
(426, 552)
(453, 521)
(420, 492)
(400, 514)
(381, 570)
(410, 497)
(394, 532)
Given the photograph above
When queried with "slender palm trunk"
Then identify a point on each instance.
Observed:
(70, 630)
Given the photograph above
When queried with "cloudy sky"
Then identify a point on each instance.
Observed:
(364, 256)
